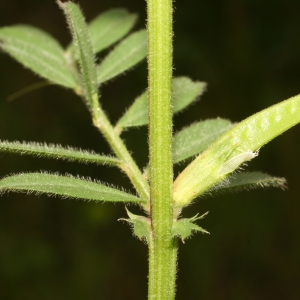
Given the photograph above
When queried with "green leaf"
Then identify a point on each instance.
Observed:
(184, 228)
(124, 56)
(198, 137)
(185, 91)
(109, 27)
(247, 181)
(57, 152)
(137, 114)
(234, 148)
(83, 51)
(141, 226)
(38, 51)
(65, 186)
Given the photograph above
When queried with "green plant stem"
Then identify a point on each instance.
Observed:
(162, 247)
(128, 164)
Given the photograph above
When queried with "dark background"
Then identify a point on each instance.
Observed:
(249, 53)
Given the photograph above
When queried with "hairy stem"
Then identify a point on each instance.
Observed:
(128, 166)
(162, 247)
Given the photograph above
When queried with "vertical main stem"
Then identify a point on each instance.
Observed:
(162, 247)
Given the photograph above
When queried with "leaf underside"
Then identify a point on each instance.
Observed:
(64, 186)
(124, 56)
(109, 27)
(247, 181)
(38, 51)
(197, 137)
(185, 91)
(57, 152)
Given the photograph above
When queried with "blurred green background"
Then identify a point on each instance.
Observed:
(249, 53)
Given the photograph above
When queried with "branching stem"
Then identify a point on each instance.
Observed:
(129, 166)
